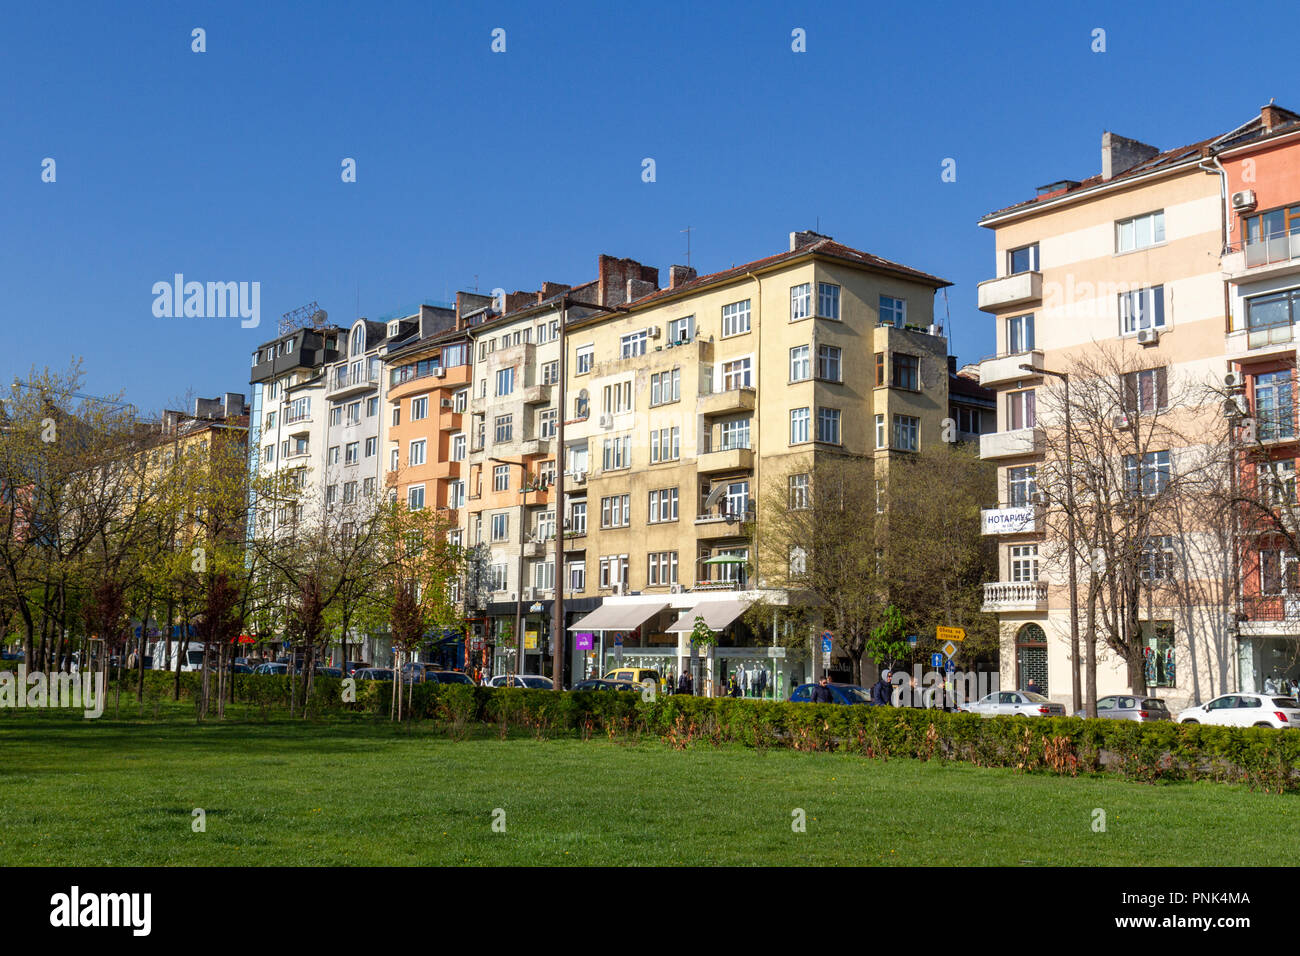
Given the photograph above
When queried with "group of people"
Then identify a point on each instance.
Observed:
(882, 693)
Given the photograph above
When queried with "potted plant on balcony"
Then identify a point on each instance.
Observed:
(705, 638)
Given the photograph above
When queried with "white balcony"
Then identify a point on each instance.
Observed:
(1008, 291)
(1264, 258)
(1012, 444)
(1015, 596)
(1006, 368)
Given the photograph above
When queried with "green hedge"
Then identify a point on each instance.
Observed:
(1261, 757)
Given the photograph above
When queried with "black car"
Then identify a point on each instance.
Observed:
(600, 684)
(447, 677)
(840, 694)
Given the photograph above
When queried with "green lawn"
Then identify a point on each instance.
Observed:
(79, 792)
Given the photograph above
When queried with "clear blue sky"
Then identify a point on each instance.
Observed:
(523, 166)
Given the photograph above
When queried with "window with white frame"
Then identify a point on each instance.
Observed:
(681, 330)
(1277, 482)
(799, 421)
(828, 300)
(544, 575)
(828, 425)
(617, 398)
(1022, 259)
(613, 570)
(372, 447)
(799, 498)
(736, 374)
(458, 446)
(1149, 475)
(584, 357)
(460, 401)
(415, 455)
(578, 516)
(456, 493)
(419, 408)
(665, 444)
(505, 380)
(907, 429)
(662, 569)
(500, 524)
(1024, 563)
(1020, 334)
(415, 497)
(893, 311)
(800, 366)
(828, 363)
(663, 505)
(499, 577)
(1142, 309)
(500, 477)
(577, 576)
(666, 387)
(1022, 486)
(1140, 232)
(547, 420)
(615, 511)
(503, 428)
(616, 453)
(1022, 410)
(735, 318)
(1158, 559)
(733, 434)
(800, 301)
(633, 344)
(351, 452)
(881, 441)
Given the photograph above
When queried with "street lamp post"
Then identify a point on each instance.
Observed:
(1075, 682)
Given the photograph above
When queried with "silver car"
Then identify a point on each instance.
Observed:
(1129, 707)
(1015, 703)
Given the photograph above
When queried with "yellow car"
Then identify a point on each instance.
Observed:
(638, 675)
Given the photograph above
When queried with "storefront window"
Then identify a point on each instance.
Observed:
(1031, 657)
(1158, 653)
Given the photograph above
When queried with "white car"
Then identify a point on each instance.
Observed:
(1245, 710)
(535, 681)
(1016, 703)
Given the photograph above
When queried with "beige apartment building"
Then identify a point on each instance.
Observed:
(1127, 261)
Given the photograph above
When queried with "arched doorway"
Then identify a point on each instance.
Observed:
(1031, 657)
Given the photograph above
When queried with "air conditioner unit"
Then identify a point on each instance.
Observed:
(440, 372)
(676, 589)
(1244, 201)
(1122, 422)
(653, 331)
(618, 587)
(579, 477)
(528, 594)
(606, 421)
(447, 403)
(1148, 336)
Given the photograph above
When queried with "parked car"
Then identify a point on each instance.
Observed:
(328, 672)
(271, 667)
(637, 675)
(1245, 710)
(599, 684)
(374, 673)
(240, 669)
(351, 667)
(1015, 703)
(448, 677)
(840, 694)
(535, 681)
(1128, 707)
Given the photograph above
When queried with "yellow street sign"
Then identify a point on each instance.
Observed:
(950, 634)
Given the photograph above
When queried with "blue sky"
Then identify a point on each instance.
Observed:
(508, 169)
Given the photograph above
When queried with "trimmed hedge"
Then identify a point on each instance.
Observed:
(1260, 757)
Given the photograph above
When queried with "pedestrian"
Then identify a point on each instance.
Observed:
(1031, 687)
(821, 694)
(880, 690)
(684, 683)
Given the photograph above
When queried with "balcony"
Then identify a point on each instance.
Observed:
(1015, 520)
(1264, 258)
(1006, 368)
(531, 447)
(344, 381)
(1012, 444)
(725, 459)
(450, 421)
(536, 549)
(728, 402)
(1022, 288)
(714, 527)
(1270, 615)
(538, 394)
(1003, 596)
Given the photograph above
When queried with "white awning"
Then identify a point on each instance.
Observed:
(716, 614)
(624, 616)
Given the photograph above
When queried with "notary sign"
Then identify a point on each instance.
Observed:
(950, 634)
(1008, 520)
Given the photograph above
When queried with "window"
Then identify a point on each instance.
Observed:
(907, 372)
(893, 311)
(351, 452)
(1156, 561)
(368, 487)
(828, 363)
(799, 420)
(393, 459)
(547, 419)
(585, 355)
(1020, 334)
(1024, 563)
(578, 517)
(1277, 482)
(397, 415)
(662, 569)
(880, 497)
(880, 432)
(1145, 391)
(665, 444)
(499, 577)
(906, 431)
(798, 561)
(1139, 232)
(799, 365)
(666, 387)
(419, 408)
(331, 494)
(1158, 653)
(800, 301)
(1022, 259)
(828, 300)
(736, 374)
(505, 380)
(503, 428)
(372, 406)
(1022, 486)
(458, 446)
(1022, 411)
(798, 492)
(268, 454)
(415, 497)
(828, 425)
(735, 318)
(633, 344)
(681, 330)
(733, 434)
(501, 478)
(460, 401)
(663, 505)
(1148, 477)
(880, 369)
(354, 413)
(736, 500)
(616, 453)
(577, 457)
(613, 570)
(333, 453)
(1279, 572)
(416, 453)
(349, 492)
(1272, 224)
(336, 416)
(1274, 411)
(1142, 309)
(500, 527)
(456, 494)
(577, 576)
(617, 398)
(544, 575)
(551, 373)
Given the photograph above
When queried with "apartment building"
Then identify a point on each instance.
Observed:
(1126, 261)
(288, 420)
(1261, 266)
(354, 387)
(690, 398)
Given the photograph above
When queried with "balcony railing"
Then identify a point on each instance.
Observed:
(1271, 251)
(353, 378)
(1015, 596)
(1271, 607)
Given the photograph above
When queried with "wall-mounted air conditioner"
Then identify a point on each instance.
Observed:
(447, 403)
(618, 587)
(606, 421)
(439, 372)
(579, 477)
(1244, 201)
(528, 594)
(676, 589)
(1148, 336)
(653, 331)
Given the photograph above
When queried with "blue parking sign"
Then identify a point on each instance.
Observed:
(936, 660)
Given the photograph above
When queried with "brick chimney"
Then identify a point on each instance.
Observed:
(550, 290)
(680, 275)
(519, 300)
(1271, 116)
(621, 280)
(1120, 154)
(806, 238)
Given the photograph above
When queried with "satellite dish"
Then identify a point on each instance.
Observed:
(714, 497)
(319, 316)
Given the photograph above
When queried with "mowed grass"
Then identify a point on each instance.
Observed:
(343, 792)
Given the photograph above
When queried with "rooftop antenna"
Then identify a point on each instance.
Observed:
(310, 315)
(687, 230)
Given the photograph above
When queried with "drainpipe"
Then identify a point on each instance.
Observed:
(758, 365)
